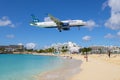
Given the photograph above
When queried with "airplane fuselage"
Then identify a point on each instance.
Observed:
(52, 24)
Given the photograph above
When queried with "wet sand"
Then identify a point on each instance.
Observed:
(70, 67)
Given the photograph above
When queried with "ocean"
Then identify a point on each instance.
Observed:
(26, 66)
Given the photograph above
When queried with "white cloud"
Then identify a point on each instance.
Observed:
(4, 21)
(114, 4)
(12, 25)
(30, 45)
(118, 33)
(10, 36)
(20, 43)
(114, 21)
(109, 36)
(104, 5)
(86, 38)
(90, 24)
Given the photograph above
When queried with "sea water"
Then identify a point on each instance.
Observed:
(25, 67)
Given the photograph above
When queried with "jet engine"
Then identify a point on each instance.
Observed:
(65, 26)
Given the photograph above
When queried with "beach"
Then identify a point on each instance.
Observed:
(98, 67)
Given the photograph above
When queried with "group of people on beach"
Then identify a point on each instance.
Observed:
(68, 57)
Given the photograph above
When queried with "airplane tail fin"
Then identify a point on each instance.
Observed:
(34, 18)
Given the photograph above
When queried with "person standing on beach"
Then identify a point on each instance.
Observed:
(86, 50)
(109, 53)
(86, 57)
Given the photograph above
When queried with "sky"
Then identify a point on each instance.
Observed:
(102, 17)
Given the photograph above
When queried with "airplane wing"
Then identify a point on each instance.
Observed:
(58, 22)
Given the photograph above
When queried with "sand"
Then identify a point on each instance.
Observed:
(98, 67)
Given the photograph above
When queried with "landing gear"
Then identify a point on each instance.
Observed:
(60, 30)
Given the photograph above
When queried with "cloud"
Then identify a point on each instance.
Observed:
(118, 33)
(4, 21)
(30, 45)
(104, 5)
(10, 36)
(114, 21)
(86, 38)
(109, 36)
(20, 43)
(90, 24)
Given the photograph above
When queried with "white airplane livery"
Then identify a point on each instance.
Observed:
(56, 23)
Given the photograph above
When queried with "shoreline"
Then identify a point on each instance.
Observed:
(69, 68)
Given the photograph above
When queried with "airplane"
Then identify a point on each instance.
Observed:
(56, 23)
